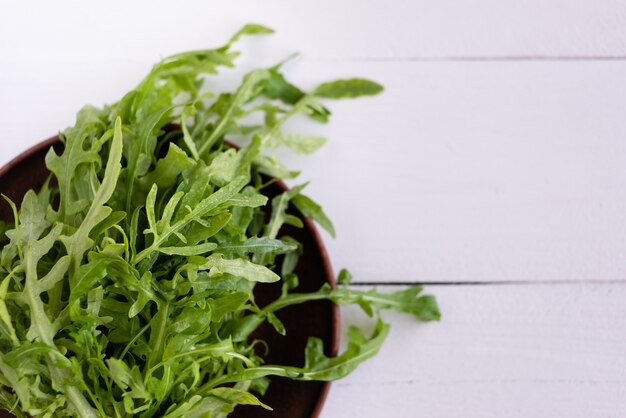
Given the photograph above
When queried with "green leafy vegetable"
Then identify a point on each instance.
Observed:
(353, 88)
(127, 282)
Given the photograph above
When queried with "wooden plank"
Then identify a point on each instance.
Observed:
(475, 171)
(41, 31)
(459, 172)
(500, 351)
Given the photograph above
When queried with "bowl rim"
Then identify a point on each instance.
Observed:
(308, 224)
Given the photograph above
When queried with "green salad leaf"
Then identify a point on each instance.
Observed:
(127, 283)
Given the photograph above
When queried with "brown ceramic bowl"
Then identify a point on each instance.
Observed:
(290, 399)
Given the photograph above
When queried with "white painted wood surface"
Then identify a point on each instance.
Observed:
(496, 154)
(500, 351)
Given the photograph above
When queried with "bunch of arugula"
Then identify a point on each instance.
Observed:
(126, 282)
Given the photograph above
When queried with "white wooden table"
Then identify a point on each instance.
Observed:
(494, 168)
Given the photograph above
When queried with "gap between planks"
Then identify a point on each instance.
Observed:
(491, 283)
(479, 58)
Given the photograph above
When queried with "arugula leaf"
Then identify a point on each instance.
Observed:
(352, 88)
(218, 265)
(309, 208)
(259, 245)
(299, 143)
(80, 150)
(409, 300)
(251, 29)
(277, 87)
(79, 242)
(317, 365)
(168, 169)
